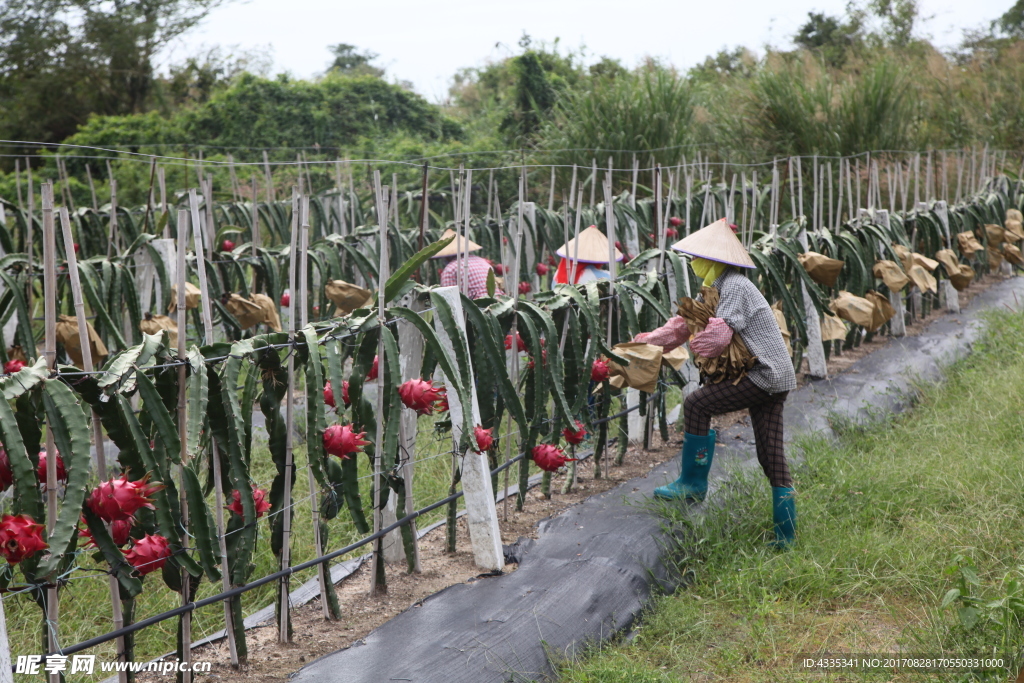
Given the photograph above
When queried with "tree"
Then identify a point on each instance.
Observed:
(352, 63)
(534, 96)
(899, 16)
(1012, 22)
(62, 60)
(829, 36)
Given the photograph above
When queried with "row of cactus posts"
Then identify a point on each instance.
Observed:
(195, 420)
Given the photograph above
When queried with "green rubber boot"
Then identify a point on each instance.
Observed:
(784, 514)
(696, 457)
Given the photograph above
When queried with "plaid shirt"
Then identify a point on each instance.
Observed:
(476, 270)
(742, 306)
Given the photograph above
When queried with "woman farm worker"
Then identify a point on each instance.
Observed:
(474, 268)
(742, 310)
(592, 251)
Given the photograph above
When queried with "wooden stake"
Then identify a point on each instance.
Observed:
(378, 587)
(97, 427)
(114, 235)
(50, 353)
(283, 635)
(92, 189)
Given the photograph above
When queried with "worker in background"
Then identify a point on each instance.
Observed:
(474, 268)
(585, 262)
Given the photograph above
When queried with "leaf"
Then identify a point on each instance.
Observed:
(399, 277)
(112, 554)
(951, 595)
(119, 372)
(316, 420)
(24, 380)
(201, 520)
(69, 425)
(168, 445)
(27, 500)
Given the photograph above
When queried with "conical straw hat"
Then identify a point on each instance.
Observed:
(716, 242)
(457, 247)
(593, 248)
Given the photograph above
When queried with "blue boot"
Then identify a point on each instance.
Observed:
(784, 514)
(698, 452)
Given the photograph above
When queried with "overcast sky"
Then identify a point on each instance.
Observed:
(426, 42)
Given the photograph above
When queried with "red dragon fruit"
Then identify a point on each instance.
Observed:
(62, 473)
(442, 403)
(344, 393)
(329, 395)
(120, 499)
(484, 440)
(259, 499)
(6, 475)
(498, 269)
(149, 553)
(227, 245)
(599, 371)
(543, 359)
(542, 269)
(520, 344)
(286, 299)
(12, 366)
(671, 233)
(525, 287)
(119, 531)
(549, 457)
(342, 440)
(374, 370)
(675, 221)
(574, 436)
(419, 395)
(551, 260)
(20, 537)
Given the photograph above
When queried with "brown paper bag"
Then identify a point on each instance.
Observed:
(891, 274)
(780, 320)
(17, 353)
(1014, 215)
(735, 361)
(191, 297)
(347, 297)
(248, 313)
(964, 279)
(904, 254)
(968, 243)
(821, 268)
(67, 335)
(995, 258)
(925, 262)
(832, 328)
(922, 279)
(883, 310)
(995, 235)
(857, 310)
(642, 371)
(675, 358)
(270, 316)
(154, 324)
(1014, 230)
(1012, 254)
(949, 261)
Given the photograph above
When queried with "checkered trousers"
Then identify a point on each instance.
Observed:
(765, 415)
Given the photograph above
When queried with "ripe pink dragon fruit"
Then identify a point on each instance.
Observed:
(419, 395)
(20, 537)
(149, 553)
(671, 233)
(374, 370)
(120, 499)
(344, 393)
(329, 395)
(12, 366)
(549, 457)
(484, 440)
(342, 440)
(286, 299)
(259, 499)
(227, 245)
(6, 475)
(551, 260)
(575, 436)
(119, 531)
(520, 344)
(525, 287)
(498, 269)
(675, 221)
(442, 403)
(542, 269)
(599, 371)
(62, 473)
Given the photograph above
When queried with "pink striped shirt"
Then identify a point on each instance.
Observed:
(475, 272)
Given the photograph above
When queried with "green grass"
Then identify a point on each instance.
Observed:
(890, 519)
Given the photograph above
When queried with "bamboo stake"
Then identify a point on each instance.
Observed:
(377, 584)
(50, 352)
(524, 469)
(162, 181)
(92, 189)
(113, 237)
(283, 634)
(271, 192)
(255, 236)
(17, 181)
(97, 428)
(30, 234)
(551, 195)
